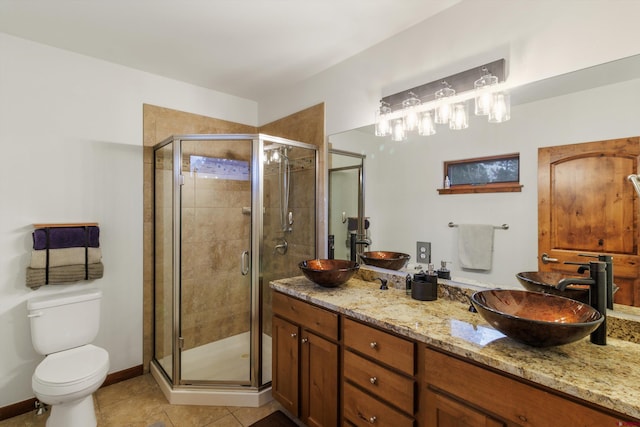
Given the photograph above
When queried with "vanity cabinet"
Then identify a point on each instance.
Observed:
(379, 383)
(459, 393)
(306, 360)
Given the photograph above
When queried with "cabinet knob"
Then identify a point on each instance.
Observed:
(373, 344)
(373, 380)
(372, 420)
(305, 340)
(293, 335)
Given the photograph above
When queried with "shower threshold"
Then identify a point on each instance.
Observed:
(233, 358)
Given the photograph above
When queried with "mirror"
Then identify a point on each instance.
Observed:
(346, 204)
(402, 179)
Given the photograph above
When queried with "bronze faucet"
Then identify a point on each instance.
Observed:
(597, 283)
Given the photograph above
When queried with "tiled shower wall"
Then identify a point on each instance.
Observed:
(160, 123)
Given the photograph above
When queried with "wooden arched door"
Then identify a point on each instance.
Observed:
(587, 206)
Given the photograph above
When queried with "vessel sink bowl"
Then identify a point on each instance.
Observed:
(328, 272)
(546, 281)
(385, 259)
(536, 319)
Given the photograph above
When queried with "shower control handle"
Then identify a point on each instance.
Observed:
(244, 263)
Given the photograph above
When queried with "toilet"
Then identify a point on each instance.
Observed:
(62, 327)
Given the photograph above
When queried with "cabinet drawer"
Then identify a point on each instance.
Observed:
(364, 410)
(379, 346)
(373, 378)
(306, 315)
(507, 398)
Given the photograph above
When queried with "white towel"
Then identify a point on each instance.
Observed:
(475, 246)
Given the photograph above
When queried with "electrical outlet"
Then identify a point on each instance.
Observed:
(423, 252)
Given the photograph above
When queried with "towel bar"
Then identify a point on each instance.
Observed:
(498, 227)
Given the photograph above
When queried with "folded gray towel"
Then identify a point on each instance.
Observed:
(66, 256)
(36, 277)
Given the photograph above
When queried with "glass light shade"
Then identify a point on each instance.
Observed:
(444, 109)
(383, 127)
(501, 108)
(426, 126)
(411, 116)
(398, 132)
(443, 113)
(484, 96)
(459, 118)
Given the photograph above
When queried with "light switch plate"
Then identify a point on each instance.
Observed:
(423, 252)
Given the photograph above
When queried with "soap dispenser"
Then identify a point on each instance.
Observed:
(443, 272)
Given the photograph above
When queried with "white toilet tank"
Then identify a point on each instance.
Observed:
(63, 321)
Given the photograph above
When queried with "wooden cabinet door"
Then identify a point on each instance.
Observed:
(587, 206)
(284, 386)
(442, 411)
(319, 381)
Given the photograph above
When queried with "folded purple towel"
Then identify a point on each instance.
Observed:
(66, 237)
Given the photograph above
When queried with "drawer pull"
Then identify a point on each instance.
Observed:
(373, 344)
(305, 340)
(371, 420)
(373, 380)
(293, 335)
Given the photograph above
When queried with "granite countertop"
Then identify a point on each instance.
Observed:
(608, 376)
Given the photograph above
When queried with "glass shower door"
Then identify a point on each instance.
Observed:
(163, 253)
(215, 278)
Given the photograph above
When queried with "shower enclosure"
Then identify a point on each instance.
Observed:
(232, 212)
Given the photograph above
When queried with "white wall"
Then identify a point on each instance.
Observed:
(71, 140)
(538, 39)
(401, 178)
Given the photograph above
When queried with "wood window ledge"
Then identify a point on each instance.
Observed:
(482, 188)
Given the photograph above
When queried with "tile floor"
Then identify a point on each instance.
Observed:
(138, 402)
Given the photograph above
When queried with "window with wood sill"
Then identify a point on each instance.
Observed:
(493, 174)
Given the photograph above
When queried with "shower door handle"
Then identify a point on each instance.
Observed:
(244, 263)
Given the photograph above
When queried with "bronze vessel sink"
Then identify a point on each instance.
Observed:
(546, 281)
(536, 319)
(385, 259)
(328, 272)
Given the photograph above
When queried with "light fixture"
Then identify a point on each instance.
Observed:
(383, 127)
(500, 108)
(445, 101)
(398, 131)
(443, 110)
(411, 114)
(426, 125)
(484, 95)
(459, 117)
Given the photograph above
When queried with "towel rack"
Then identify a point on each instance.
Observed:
(497, 227)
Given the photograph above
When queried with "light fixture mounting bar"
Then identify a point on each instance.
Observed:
(461, 82)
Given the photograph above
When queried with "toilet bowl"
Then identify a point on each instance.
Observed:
(68, 379)
(62, 327)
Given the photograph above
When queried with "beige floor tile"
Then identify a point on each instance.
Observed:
(139, 402)
(227, 421)
(248, 416)
(143, 385)
(191, 415)
(29, 419)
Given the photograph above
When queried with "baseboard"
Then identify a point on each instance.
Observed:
(125, 374)
(25, 406)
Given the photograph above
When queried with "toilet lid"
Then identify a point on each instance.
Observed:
(72, 366)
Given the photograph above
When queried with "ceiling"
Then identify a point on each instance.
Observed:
(246, 48)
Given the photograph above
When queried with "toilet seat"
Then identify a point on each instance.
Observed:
(70, 371)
